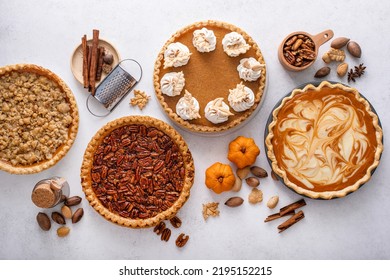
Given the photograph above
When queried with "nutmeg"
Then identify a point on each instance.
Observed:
(108, 58)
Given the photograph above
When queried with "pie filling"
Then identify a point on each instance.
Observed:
(325, 140)
(35, 118)
(137, 172)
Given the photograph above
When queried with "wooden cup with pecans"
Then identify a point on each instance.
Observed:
(299, 50)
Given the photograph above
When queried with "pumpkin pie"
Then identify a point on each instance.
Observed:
(137, 171)
(38, 119)
(198, 68)
(324, 141)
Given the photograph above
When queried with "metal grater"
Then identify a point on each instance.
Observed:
(117, 84)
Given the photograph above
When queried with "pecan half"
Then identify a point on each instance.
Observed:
(175, 221)
(166, 234)
(159, 228)
(182, 240)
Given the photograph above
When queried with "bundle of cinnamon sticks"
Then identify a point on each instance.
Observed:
(286, 211)
(92, 61)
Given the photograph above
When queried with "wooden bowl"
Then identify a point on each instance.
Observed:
(318, 40)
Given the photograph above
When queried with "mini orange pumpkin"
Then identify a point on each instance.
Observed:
(220, 177)
(243, 151)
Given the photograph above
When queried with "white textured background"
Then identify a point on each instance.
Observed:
(46, 33)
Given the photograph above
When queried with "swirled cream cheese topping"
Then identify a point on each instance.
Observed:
(188, 107)
(176, 55)
(249, 69)
(172, 83)
(241, 98)
(234, 44)
(323, 140)
(204, 40)
(217, 111)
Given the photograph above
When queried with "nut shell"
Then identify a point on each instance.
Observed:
(339, 42)
(234, 201)
(322, 72)
(43, 221)
(354, 49)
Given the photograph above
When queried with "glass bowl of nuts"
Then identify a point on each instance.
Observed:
(299, 49)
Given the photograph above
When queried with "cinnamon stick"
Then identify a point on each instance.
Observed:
(291, 221)
(99, 69)
(292, 206)
(85, 60)
(94, 60)
(277, 216)
(89, 65)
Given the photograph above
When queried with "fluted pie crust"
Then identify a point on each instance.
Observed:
(88, 164)
(309, 142)
(30, 92)
(209, 76)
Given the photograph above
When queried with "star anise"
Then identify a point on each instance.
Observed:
(351, 76)
(359, 70)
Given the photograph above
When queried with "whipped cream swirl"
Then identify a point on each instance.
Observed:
(249, 69)
(241, 98)
(234, 44)
(172, 83)
(188, 107)
(217, 111)
(176, 55)
(204, 40)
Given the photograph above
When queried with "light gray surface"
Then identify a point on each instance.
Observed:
(46, 33)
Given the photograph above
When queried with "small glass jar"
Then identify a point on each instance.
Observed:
(49, 192)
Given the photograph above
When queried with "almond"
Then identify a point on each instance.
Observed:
(243, 172)
(63, 231)
(237, 185)
(66, 212)
(257, 67)
(272, 202)
(342, 69)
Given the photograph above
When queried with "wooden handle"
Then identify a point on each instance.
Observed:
(322, 37)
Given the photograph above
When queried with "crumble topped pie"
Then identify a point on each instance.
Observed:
(137, 171)
(324, 141)
(214, 57)
(38, 118)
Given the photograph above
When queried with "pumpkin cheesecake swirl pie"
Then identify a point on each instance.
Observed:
(324, 141)
(137, 171)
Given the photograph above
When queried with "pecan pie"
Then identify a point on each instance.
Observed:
(324, 141)
(38, 118)
(198, 67)
(137, 171)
